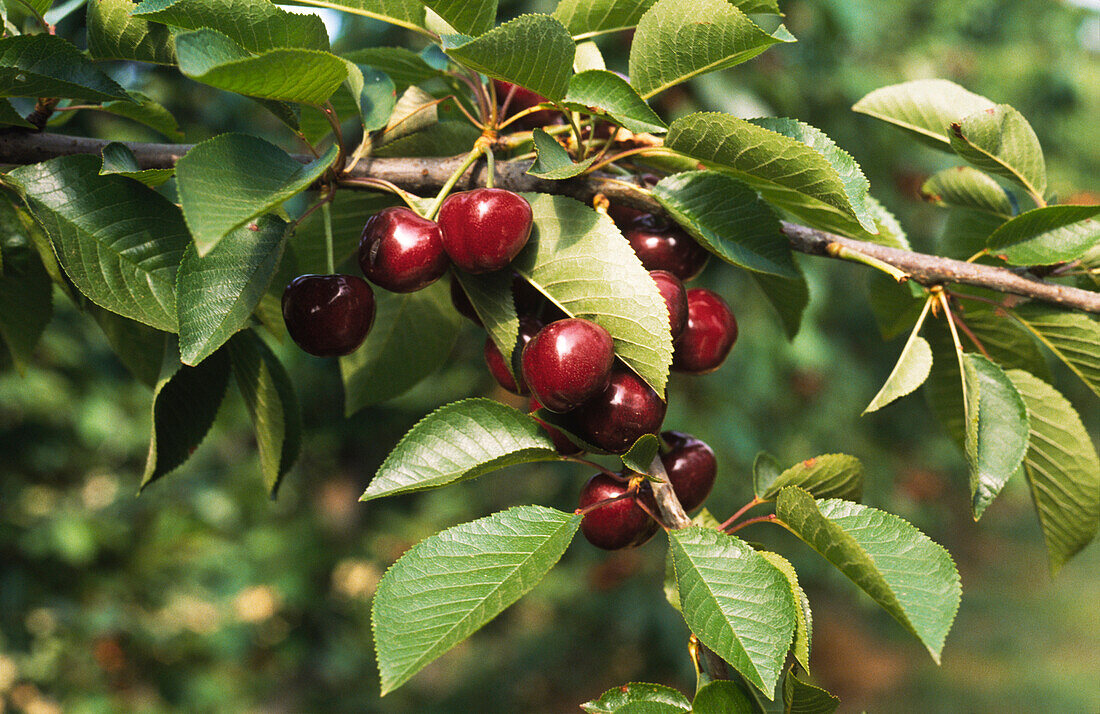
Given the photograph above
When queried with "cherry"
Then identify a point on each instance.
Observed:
(485, 228)
(710, 333)
(666, 247)
(526, 297)
(568, 362)
(618, 524)
(672, 290)
(626, 218)
(562, 442)
(691, 467)
(462, 304)
(614, 419)
(528, 327)
(401, 251)
(523, 98)
(328, 315)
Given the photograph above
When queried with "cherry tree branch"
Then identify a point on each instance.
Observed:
(427, 175)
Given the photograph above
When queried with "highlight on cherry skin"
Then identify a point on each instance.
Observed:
(568, 362)
(401, 251)
(621, 414)
(484, 229)
(328, 315)
(709, 336)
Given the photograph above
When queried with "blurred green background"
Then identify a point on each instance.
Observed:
(204, 595)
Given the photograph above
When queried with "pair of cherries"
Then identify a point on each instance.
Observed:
(479, 231)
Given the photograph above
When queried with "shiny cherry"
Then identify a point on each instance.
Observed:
(614, 419)
(618, 524)
(691, 467)
(667, 247)
(401, 251)
(528, 327)
(485, 228)
(672, 290)
(523, 98)
(568, 362)
(709, 336)
(562, 442)
(328, 315)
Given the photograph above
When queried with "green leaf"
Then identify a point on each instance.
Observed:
(115, 34)
(414, 111)
(826, 476)
(735, 601)
(350, 211)
(256, 25)
(924, 108)
(727, 218)
(890, 233)
(996, 429)
(185, 403)
(1072, 337)
(606, 94)
(902, 569)
(552, 161)
(803, 698)
(965, 232)
(145, 111)
(1000, 140)
(449, 585)
(227, 181)
(1005, 339)
(49, 66)
(493, 300)
(26, 290)
(1062, 470)
(579, 259)
(119, 160)
(788, 297)
(1049, 235)
(765, 470)
(447, 138)
(586, 18)
(412, 337)
(964, 187)
(721, 697)
(671, 45)
(803, 626)
(289, 75)
(641, 454)
(217, 293)
(403, 13)
(139, 347)
(375, 95)
(533, 51)
(588, 57)
(910, 371)
(470, 17)
(272, 404)
(10, 117)
(457, 442)
(118, 241)
(639, 698)
(405, 67)
(804, 173)
(895, 306)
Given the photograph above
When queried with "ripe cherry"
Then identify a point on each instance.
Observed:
(462, 304)
(710, 333)
(401, 251)
(328, 315)
(568, 362)
(528, 327)
(562, 443)
(667, 247)
(615, 418)
(523, 98)
(672, 290)
(691, 467)
(485, 228)
(618, 524)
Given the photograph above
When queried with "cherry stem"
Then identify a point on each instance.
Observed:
(740, 512)
(973, 338)
(629, 493)
(382, 185)
(651, 514)
(489, 167)
(520, 114)
(334, 122)
(330, 261)
(770, 518)
(642, 150)
(837, 250)
(479, 148)
(592, 464)
(958, 345)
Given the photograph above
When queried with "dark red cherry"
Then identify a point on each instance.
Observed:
(627, 218)
(462, 304)
(672, 290)
(485, 228)
(691, 467)
(562, 443)
(328, 315)
(614, 419)
(523, 98)
(709, 336)
(526, 297)
(401, 251)
(528, 327)
(568, 362)
(618, 524)
(667, 247)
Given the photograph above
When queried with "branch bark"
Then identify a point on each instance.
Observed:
(426, 175)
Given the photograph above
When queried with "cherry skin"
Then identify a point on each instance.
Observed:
(619, 524)
(614, 419)
(672, 290)
(562, 443)
(568, 362)
(709, 336)
(666, 247)
(462, 304)
(485, 228)
(523, 98)
(328, 315)
(401, 251)
(691, 468)
(528, 327)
